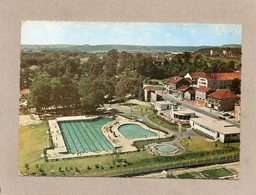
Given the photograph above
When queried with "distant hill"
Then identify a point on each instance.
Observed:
(105, 48)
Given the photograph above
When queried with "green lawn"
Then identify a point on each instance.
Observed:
(216, 173)
(32, 140)
(162, 123)
(198, 144)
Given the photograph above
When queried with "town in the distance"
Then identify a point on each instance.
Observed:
(130, 111)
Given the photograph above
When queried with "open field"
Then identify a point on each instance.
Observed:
(33, 140)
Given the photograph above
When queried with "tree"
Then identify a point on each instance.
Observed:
(91, 91)
(40, 93)
(129, 84)
(235, 86)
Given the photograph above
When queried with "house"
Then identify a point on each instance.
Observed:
(216, 129)
(174, 83)
(194, 76)
(186, 92)
(222, 100)
(218, 80)
(202, 93)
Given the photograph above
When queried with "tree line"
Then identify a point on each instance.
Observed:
(72, 80)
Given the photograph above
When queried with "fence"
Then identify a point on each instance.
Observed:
(135, 171)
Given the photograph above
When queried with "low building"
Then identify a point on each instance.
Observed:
(216, 129)
(181, 114)
(222, 100)
(163, 105)
(147, 93)
(186, 92)
(202, 93)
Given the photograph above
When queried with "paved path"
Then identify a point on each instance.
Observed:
(179, 134)
(197, 109)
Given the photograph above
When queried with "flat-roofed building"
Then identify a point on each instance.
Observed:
(163, 105)
(216, 129)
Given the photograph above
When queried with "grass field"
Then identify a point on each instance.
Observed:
(197, 144)
(162, 123)
(32, 141)
(216, 173)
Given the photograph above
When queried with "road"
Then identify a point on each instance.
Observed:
(186, 105)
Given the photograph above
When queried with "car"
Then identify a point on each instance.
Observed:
(221, 117)
(231, 117)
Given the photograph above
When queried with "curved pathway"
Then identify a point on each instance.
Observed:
(178, 134)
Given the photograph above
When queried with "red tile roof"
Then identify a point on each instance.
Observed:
(184, 88)
(227, 76)
(223, 94)
(195, 75)
(204, 89)
(24, 92)
(174, 79)
(222, 76)
(150, 88)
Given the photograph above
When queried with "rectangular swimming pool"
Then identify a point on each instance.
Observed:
(85, 136)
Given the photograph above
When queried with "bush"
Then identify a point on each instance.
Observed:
(89, 168)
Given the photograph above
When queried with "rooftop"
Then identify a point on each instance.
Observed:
(204, 89)
(223, 94)
(218, 125)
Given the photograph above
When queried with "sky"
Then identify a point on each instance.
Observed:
(160, 34)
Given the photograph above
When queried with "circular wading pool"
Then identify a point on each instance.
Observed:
(165, 148)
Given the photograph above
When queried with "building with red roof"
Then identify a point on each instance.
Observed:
(202, 93)
(186, 92)
(174, 83)
(218, 80)
(222, 100)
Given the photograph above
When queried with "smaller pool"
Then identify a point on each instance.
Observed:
(131, 131)
(164, 148)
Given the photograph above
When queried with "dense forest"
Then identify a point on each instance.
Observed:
(79, 80)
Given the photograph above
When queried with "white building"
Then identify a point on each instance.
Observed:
(217, 129)
(163, 105)
(181, 114)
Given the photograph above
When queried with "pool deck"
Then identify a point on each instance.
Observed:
(125, 144)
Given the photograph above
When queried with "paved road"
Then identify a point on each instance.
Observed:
(186, 105)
